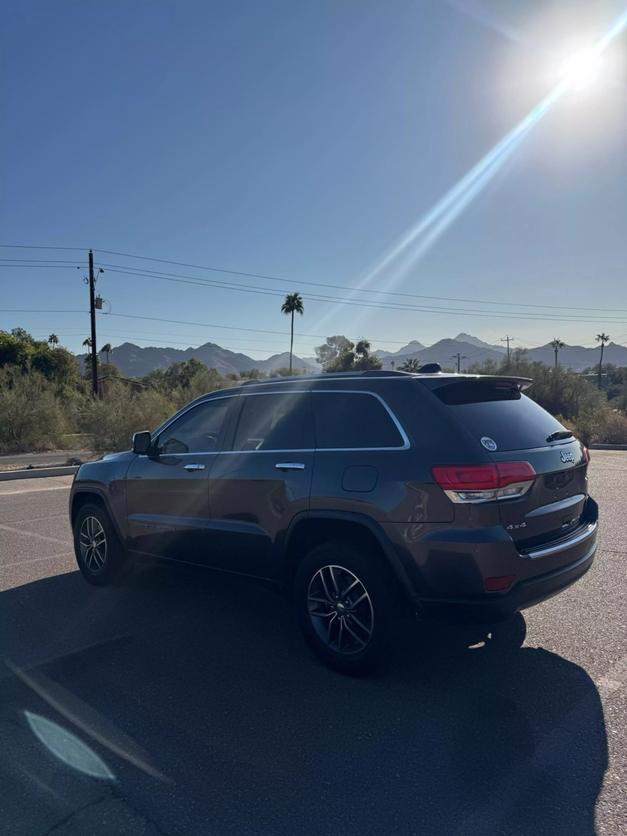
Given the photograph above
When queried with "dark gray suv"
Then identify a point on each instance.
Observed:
(365, 495)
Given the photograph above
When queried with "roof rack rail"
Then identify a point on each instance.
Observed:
(382, 373)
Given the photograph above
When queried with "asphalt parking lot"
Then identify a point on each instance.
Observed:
(180, 702)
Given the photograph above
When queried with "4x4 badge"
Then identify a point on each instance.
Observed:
(489, 443)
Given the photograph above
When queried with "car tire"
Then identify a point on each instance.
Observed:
(97, 547)
(347, 631)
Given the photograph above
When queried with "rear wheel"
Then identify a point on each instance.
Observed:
(346, 605)
(98, 550)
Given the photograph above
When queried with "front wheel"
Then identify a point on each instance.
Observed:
(345, 604)
(98, 551)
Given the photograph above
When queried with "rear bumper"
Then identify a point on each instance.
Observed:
(498, 606)
(450, 569)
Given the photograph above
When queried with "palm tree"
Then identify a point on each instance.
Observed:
(106, 350)
(87, 342)
(556, 344)
(53, 340)
(293, 304)
(602, 338)
(412, 364)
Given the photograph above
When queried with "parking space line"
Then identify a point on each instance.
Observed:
(34, 490)
(33, 534)
(36, 560)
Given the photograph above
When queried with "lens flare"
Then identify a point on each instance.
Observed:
(582, 70)
(578, 71)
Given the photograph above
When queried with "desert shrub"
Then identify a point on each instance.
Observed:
(111, 420)
(615, 430)
(31, 416)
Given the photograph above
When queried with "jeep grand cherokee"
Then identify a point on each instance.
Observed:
(359, 493)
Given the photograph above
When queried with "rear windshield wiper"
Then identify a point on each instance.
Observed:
(559, 434)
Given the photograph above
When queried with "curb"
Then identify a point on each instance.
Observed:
(37, 473)
(607, 447)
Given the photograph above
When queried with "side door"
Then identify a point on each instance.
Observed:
(168, 491)
(258, 484)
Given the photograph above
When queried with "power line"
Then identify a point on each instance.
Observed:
(33, 262)
(265, 291)
(270, 277)
(40, 247)
(185, 322)
(40, 310)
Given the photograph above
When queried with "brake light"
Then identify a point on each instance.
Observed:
(484, 482)
(586, 454)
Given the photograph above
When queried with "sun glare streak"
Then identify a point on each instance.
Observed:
(432, 225)
(476, 11)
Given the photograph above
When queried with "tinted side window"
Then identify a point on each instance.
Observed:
(274, 422)
(346, 420)
(197, 431)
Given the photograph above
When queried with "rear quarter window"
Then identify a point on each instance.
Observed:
(349, 420)
(501, 413)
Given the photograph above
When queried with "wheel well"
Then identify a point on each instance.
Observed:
(312, 532)
(83, 498)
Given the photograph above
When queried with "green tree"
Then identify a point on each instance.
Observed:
(57, 365)
(363, 358)
(412, 364)
(14, 351)
(22, 335)
(339, 354)
(336, 354)
(602, 338)
(293, 304)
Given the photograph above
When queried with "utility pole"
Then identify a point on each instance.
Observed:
(507, 339)
(459, 357)
(92, 317)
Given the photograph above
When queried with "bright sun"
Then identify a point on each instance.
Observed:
(581, 70)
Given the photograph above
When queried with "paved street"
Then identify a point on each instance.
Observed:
(186, 703)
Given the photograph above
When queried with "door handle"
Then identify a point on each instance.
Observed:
(289, 466)
(194, 467)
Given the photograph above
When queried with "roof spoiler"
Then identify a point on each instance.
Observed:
(520, 383)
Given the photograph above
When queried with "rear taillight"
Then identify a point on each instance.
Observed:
(586, 454)
(484, 482)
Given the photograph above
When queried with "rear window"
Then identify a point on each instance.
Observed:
(498, 412)
(348, 420)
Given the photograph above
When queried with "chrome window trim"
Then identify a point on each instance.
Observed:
(405, 446)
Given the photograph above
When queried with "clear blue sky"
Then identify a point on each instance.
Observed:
(302, 139)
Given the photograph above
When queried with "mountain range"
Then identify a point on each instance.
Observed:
(135, 361)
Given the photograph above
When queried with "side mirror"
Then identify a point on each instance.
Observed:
(142, 443)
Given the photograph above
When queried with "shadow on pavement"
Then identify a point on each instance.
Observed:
(207, 713)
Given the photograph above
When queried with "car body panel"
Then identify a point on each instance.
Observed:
(238, 513)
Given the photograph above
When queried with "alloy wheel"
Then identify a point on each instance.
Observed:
(340, 609)
(93, 544)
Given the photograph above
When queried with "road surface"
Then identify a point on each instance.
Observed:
(186, 703)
